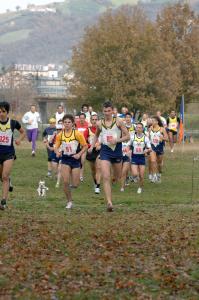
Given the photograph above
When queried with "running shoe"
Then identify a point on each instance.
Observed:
(154, 178)
(97, 190)
(69, 205)
(57, 185)
(81, 179)
(139, 191)
(159, 178)
(3, 204)
(49, 174)
(131, 179)
(33, 153)
(172, 150)
(122, 190)
(110, 208)
(150, 177)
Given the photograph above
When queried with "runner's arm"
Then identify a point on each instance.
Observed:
(125, 134)
(148, 145)
(57, 144)
(81, 139)
(97, 133)
(164, 134)
(21, 136)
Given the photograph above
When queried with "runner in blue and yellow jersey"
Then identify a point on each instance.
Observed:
(7, 151)
(73, 145)
(112, 133)
(126, 152)
(157, 136)
(128, 123)
(140, 146)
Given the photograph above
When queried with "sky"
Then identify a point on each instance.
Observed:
(11, 4)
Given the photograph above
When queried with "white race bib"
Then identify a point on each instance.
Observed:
(155, 141)
(173, 125)
(49, 138)
(69, 148)
(81, 129)
(6, 138)
(138, 150)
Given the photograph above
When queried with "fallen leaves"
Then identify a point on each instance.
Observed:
(156, 254)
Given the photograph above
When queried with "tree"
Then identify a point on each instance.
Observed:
(122, 58)
(179, 30)
(17, 90)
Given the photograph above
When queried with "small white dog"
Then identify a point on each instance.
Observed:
(42, 188)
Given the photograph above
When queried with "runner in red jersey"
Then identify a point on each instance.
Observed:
(82, 126)
(93, 157)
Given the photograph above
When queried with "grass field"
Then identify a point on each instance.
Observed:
(146, 249)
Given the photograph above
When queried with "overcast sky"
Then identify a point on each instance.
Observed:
(11, 4)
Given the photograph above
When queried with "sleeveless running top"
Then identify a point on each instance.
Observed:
(109, 133)
(6, 135)
(139, 144)
(173, 124)
(155, 137)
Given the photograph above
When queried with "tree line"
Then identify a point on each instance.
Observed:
(132, 60)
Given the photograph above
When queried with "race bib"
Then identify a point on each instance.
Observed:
(81, 129)
(138, 150)
(109, 139)
(49, 138)
(173, 125)
(155, 141)
(5, 139)
(69, 148)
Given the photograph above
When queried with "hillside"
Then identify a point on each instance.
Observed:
(40, 37)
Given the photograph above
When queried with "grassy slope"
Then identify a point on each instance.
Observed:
(147, 248)
(14, 36)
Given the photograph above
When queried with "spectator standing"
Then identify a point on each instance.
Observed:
(86, 112)
(59, 114)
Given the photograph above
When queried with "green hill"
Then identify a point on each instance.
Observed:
(48, 37)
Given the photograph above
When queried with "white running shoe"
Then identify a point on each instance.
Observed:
(69, 205)
(122, 190)
(154, 178)
(57, 185)
(172, 150)
(97, 190)
(81, 179)
(33, 153)
(139, 191)
(159, 177)
(150, 177)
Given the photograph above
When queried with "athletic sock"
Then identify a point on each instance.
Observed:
(97, 185)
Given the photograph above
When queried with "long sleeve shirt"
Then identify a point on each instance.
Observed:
(33, 117)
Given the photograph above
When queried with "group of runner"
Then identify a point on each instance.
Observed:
(116, 147)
